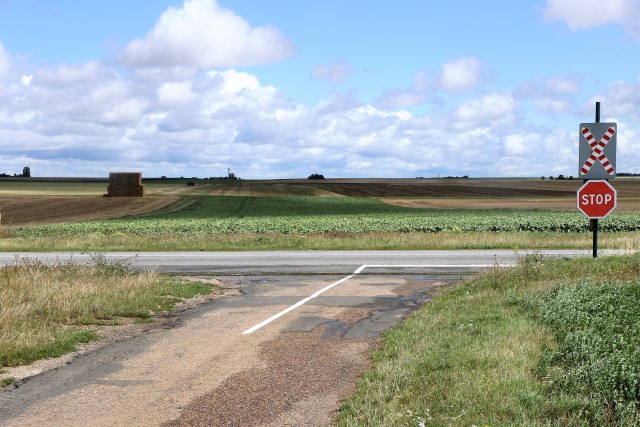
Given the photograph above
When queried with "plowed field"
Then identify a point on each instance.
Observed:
(34, 210)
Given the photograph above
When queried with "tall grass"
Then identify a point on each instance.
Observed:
(495, 352)
(45, 311)
(323, 241)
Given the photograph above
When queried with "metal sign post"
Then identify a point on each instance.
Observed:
(597, 161)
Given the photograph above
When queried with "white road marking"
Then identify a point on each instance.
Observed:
(296, 305)
(344, 279)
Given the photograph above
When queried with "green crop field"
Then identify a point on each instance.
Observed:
(213, 215)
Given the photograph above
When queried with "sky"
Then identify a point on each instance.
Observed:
(287, 88)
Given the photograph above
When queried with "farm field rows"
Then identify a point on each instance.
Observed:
(310, 215)
(332, 214)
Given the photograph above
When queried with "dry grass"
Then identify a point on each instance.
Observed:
(45, 310)
(329, 241)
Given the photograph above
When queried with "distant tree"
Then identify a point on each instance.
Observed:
(543, 178)
(26, 171)
(190, 184)
(551, 177)
(316, 176)
(560, 177)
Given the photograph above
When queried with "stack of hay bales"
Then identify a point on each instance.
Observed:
(125, 184)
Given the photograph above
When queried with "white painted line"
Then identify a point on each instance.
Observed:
(361, 269)
(296, 305)
(344, 279)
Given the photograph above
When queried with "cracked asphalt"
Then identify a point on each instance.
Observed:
(201, 370)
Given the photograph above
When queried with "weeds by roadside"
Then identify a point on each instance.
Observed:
(547, 343)
(46, 310)
(594, 367)
(6, 382)
(322, 241)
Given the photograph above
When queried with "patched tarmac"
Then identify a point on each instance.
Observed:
(202, 369)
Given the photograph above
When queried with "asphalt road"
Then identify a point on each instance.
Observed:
(300, 262)
(282, 351)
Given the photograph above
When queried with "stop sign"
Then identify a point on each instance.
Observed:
(596, 199)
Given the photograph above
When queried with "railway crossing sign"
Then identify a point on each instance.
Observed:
(597, 150)
(596, 199)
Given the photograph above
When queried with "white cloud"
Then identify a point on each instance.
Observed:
(553, 95)
(5, 62)
(417, 94)
(401, 99)
(563, 84)
(421, 81)
(457, 76)
(129, 111)
(621, 99)
(587, 14)
(175, 94)
(234, 82)
(234, 91)
(334, 73)
(88, 119)
(87, 73)
(204, 35)
(628, 157)
(521, 143)
(490, 109)
(552, 106)
(461, 75)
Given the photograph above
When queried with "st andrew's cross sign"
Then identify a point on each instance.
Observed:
(597, 150)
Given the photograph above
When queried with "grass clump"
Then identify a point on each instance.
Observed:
(6, 382)
(547, 343)
(46, 310)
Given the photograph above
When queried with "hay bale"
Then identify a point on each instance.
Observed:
(125, 184)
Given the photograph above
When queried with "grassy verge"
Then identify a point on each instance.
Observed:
(45, 311)
(319, 241)
(533, 345)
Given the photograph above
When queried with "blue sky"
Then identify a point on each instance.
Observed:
(283, 89)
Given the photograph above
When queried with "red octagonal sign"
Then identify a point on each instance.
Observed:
(596, 199)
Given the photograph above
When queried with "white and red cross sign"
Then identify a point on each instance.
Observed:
(597, 157)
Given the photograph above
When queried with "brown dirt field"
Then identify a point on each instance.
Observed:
(627, 204)
(437, 188)
(34, 210)
(263, 188)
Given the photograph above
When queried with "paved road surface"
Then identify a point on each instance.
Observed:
(303, 262)
(282, 352)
